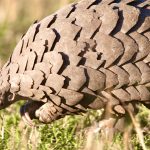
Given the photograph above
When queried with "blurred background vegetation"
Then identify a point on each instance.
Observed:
(69, 133)
(17, 15)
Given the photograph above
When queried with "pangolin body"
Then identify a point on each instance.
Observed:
(90, 54)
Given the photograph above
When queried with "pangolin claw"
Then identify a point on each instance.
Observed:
(25, 116)
(28, 112)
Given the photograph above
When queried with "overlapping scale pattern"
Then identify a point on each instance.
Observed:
(85, 55)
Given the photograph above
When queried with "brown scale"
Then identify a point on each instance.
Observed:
(130, 47)
(51, 82)
(76, 77)
(110, 48)
(43, 36)
(143, 44)
(51, 57)
(106, 15)
(130, 17)
(91, 60)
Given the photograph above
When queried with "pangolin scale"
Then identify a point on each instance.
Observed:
(90, 54)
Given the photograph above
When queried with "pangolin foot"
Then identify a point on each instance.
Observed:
(44, 112)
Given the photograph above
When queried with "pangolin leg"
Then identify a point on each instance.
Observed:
(48, 112)
(116, 118)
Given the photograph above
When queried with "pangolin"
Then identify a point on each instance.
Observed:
(92, 54)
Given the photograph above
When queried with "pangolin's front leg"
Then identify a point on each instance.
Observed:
(44, 112)
(49, 112)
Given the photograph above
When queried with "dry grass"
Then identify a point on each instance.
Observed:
(71, 133)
